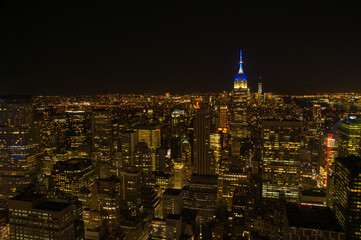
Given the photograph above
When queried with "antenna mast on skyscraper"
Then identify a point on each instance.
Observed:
(240, 63)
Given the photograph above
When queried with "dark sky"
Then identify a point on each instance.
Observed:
(92, 47)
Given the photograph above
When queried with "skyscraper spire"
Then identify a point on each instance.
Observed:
(240, 63)
(241, 80)
(260, 85)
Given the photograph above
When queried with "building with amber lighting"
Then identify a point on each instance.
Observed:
(281, 165)
(201, 140)
(32, 216)
(18, 145)
(106, 199)
(151, 135)
(350, 137)
(228, 182)
(77, 130)
(172, 201)
(72, 175)
(239, 120)
(102, 133)
(201, 195)
(347, 195)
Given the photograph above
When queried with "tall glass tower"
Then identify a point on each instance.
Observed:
(18, 146)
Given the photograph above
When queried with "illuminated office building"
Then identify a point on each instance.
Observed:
(34, 217)
(128, 141)
(347, 195)
(223, 124)
(177, 122)
(151, 135)
(241, 93)
(215, 147)
(77, 129)
(106, 200)
(18, 146)
(151, 202)
(158, 231)
(246, 199)
(163, 161)
(201, 195)
(228, 182)
(179, 175)
(327, 169)
(331, 143)
(72, 175)
(350, 137)
(172, 201)
(102, 133)
(187, 153)
(201, 161)
(94, 224)
(143, 162)
(281, 165)
(163, 181)
(130, 193)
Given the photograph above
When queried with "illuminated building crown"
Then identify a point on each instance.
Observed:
(240, 81)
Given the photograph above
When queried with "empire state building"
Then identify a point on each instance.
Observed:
(239, 126)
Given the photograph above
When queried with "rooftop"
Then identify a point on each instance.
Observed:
(314, 192)
(172, 191)
(204, 179)
(353, 163)
(311, 217)
(284, 123)
(27, 197)
(174, 216)
(73, 164)
(52, 206)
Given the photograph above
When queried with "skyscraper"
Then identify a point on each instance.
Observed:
(102, 133)
(18, 146)
(281, 165)
(201, 162)
(128, 141)
(106, 200)
(347, 195)
(241, 92)
(201, 195)
(151, 135)
(223, 124)
(259, 91)
(77, 133)
(350, 137)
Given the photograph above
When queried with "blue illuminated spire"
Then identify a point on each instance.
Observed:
(240, 63)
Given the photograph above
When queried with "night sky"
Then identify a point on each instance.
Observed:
(91, 47)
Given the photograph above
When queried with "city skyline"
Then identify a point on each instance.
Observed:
(182, 120)
(297, 48)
